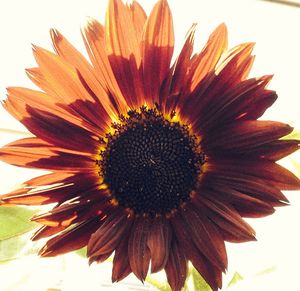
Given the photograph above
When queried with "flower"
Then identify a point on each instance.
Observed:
(152, 160)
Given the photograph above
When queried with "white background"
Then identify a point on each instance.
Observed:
(274, 27)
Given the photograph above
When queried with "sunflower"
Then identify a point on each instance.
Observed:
(152, 160)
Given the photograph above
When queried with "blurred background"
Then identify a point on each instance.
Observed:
(271, 264)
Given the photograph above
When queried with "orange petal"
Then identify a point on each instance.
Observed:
(63, 79)
(37, 77)
(157, 49)
(139, 18)
(18, 99)
(76, 59)
(124, 52)
(207, 60)
(94, 39)
(177, 79)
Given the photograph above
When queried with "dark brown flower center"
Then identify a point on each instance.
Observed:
(150, 164)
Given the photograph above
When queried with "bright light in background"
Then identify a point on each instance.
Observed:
(274, 27)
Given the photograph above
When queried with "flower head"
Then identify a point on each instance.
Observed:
(152, 160)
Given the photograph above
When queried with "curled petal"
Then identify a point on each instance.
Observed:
(46, 231)
(55, 187)
(78, 209)
(71, 239)
(108, 236)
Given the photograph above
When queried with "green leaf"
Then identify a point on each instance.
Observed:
(161, 286)
(199, 282)
(16, 247)
(266, 271)
(11, 248)
(15, 221)
(297, 166)
(237, 277)
(81, 252)
(293, 135)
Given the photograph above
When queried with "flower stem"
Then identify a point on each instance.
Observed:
(284, 2)
(17, 132)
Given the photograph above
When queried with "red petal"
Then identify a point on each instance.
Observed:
(71, 239)
(205, 237)
(232, 71)
(87, 205)
(109, 235)
(271, 172)
(176, 267)
(59, 132)
(55, 187)
(210, 273)
(138, 251)
(100, 258)
(252, 186)
(278, 149)
(121, 266)
(19, 99)
(46, 231)
(230, 106)
(226, 218)
(246, 205)
(35, 153)
(202, 70)
(159, 239)
(245, 135)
